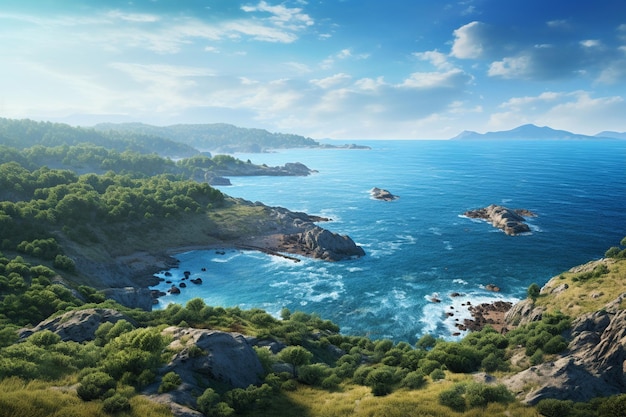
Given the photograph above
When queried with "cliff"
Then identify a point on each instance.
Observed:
(594, 364)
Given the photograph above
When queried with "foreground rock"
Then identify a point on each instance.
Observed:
(382, 194)
(512, 222)
(594, 365)
(206, 358)
(78, 325)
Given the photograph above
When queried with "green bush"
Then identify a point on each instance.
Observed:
(414, 380)
(95, 385)
(313, 374)
(551, 407)
(380, 380)
(437, 374)
(453, 398)
(170, 382)
(115, 404)
(614, 406)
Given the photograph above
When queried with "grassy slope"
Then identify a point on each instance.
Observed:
(585, 295)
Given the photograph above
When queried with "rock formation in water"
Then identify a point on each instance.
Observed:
(382, 194)
(512, 222)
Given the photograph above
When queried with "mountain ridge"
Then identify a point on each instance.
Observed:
(531, 131)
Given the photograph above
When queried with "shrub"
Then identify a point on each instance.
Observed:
(414, 380)
(551, 407)
(313, 374)
(44, 338)
(115, 404)
(533, 291)
(207, 400)
(170, 382)
(380, 381)
(437, 374)
(453, 398)
(613, 407)
(94, 385)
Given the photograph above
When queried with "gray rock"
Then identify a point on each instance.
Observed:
(512, 222)
(382, 194)
(78, 325)
(594, 365)
(329, 246)
(210, 355)
(131, 297)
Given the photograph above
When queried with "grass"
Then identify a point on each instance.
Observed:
(43, 399)
(357, 401)
(586, 295)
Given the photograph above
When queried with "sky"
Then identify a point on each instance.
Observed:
(340, 69)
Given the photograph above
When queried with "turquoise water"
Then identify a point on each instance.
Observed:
(420, 246)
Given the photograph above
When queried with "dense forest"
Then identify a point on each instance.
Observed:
(97, 193)
(22, 134)
(215, 137)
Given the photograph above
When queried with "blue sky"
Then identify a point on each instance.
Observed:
(343, 69)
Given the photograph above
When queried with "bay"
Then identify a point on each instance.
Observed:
(420, 247)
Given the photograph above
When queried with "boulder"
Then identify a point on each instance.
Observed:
(329, 246)
(78, 325)
(206, 357)
(512, 222)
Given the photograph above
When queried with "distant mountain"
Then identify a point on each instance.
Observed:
(610, 134)
(528, 131)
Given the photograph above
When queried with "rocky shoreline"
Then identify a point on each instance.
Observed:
(297, 235)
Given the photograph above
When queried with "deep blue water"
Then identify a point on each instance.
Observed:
(421, 246)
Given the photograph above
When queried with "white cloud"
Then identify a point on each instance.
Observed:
(591, 43)
(282, 16)
(511, 67)
(449, 79)
(331, 81)
(469, 41)
(437, 59)
(133, 17)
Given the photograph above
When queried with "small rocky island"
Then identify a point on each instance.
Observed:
(382, 194)
(511, 221)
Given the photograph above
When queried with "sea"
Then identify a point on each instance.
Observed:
(425, 262)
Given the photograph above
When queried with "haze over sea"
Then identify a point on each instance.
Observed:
(420, 246)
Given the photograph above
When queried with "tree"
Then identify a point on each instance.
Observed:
(533, 291)
(295, 356)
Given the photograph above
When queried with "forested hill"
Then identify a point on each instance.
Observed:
(26, 133)
(217, 137)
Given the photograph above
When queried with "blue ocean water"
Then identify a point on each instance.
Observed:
(420, 246)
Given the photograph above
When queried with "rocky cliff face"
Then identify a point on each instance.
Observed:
(594, 364)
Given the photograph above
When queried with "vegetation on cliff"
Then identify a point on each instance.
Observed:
(55, 224)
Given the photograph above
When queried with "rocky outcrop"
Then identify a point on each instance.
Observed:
(131, 297)
(322, 244)
(512, 222)
(78, 325)
(382, 194)
(206, 358)
(594, 365)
